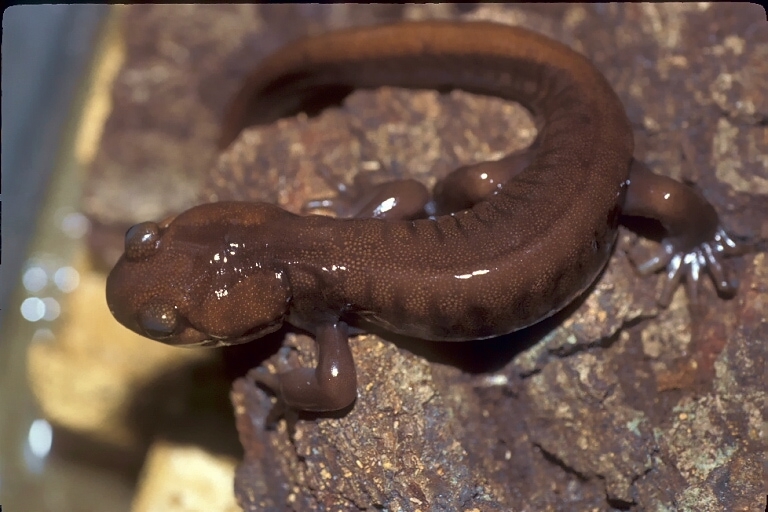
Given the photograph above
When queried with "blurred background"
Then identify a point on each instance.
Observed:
(47, 54)
(46, 50)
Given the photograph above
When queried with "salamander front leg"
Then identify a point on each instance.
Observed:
(330, 386)
(695, 241)
(398, 199)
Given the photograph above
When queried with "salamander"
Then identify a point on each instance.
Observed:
(508, 243)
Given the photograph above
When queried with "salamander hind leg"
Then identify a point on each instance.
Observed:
(330, 386)
(470, 184)
(695, 242)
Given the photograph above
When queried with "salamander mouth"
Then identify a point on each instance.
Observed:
(215, 343)
(221, 341)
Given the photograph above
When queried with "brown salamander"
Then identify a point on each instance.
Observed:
(522, 237)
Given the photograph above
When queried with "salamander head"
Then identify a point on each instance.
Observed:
(207, 277)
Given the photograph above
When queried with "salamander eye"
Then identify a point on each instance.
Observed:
(159, 320)
(141, 241)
